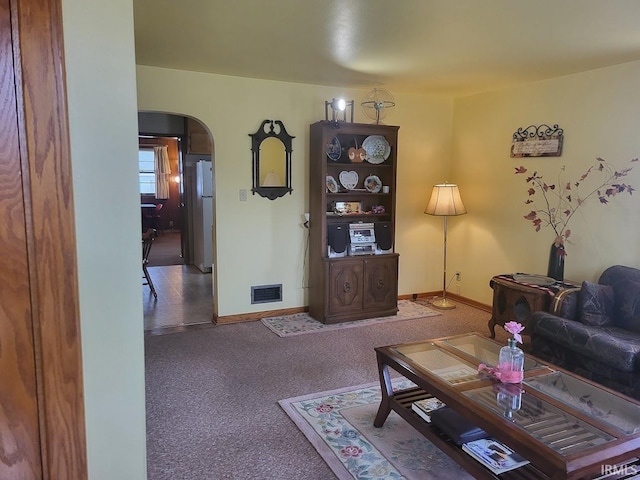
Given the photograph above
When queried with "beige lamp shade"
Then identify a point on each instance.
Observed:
(272, 180)
(445, 201)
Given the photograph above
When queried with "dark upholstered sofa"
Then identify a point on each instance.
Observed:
(595, 331)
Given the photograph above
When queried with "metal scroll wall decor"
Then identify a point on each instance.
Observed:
(271, 151)
(537, 141)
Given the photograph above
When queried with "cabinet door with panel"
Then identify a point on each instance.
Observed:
(381, 282)
(345, 286)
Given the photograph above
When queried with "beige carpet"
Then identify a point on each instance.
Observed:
(212, 394)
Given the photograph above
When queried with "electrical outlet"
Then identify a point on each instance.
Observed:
(458, 276)
(243, 195)
(306, 217)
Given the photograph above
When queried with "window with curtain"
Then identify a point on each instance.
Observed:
(147, 172)
(163, 171)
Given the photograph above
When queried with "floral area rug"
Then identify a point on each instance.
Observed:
(339, 424)
(301, 323)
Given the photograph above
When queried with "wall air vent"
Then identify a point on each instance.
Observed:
(266, 293)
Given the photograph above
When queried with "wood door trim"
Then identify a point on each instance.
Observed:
(19, 419)
(47, 183)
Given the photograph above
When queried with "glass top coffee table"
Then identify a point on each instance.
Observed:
(566, 426)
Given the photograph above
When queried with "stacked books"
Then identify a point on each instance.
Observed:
(426, 406)
(494, 455)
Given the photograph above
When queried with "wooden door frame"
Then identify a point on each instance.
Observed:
(37, 37)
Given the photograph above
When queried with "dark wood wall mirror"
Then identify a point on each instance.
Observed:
(271, 151)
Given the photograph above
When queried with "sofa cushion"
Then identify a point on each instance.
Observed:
(609, 345)
(619, 273)
(627, 313)
(626, 286)
(596, 305)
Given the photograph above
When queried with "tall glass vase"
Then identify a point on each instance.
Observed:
(511, 363)
(509, 397)
(556, 262)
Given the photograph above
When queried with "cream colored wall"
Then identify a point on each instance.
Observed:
(103, 134)
(262, 241)
(425, 151)
(598, 111)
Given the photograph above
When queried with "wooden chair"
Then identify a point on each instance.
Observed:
(151, 218)
(147, 241)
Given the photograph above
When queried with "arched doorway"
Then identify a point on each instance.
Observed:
(186, 274)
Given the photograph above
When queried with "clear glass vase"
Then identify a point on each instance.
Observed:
(509, 397)
(511, 363)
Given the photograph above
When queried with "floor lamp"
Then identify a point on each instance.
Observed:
(445, 201)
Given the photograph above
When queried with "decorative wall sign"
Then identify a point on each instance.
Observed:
(537, 141)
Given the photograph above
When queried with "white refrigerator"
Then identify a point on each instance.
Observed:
(203, 217)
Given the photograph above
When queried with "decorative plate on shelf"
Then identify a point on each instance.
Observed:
(349, 180)
(539, 280)
(334, 150)
(377, 148)
(373, 184)
(332, 185)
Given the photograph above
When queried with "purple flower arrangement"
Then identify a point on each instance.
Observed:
(561, 200)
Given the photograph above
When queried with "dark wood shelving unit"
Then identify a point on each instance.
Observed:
(355, 287)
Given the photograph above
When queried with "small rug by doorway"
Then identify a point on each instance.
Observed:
(301, 323)
(339, 424)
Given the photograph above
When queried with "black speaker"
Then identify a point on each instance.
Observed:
(383, 235)
(338, 237)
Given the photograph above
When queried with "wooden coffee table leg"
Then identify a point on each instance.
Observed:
(492, 326)
(387, 391)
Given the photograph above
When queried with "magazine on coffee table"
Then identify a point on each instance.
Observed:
(426, 406)
(494, 455)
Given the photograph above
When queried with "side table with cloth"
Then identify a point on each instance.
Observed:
(517, 295)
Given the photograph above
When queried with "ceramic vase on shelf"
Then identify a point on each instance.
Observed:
(556, 262)
(511, 363)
